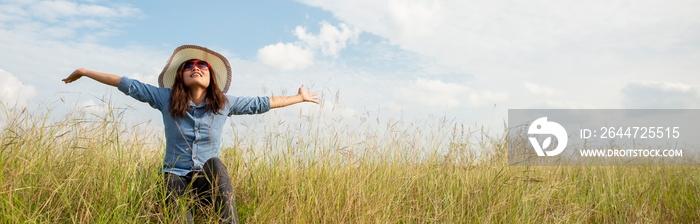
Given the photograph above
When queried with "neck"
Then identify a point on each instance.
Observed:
(198, 95)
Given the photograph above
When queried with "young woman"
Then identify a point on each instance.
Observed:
(194, 108)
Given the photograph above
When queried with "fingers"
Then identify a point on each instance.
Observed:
(307, 95)
(68, 80)
(73, 76)
(313, 98)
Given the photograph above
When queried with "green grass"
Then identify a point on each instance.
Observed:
(85, 168)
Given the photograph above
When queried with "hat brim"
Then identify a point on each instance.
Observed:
(218, 63)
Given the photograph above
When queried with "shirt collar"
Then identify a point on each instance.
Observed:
(199, 105)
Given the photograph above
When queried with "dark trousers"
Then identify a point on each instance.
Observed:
(212, 184)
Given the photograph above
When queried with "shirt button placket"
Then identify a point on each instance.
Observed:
(194, 144)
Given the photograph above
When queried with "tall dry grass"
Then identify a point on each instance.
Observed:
(80, 167)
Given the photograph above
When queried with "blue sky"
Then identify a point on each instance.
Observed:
(467, 60)
(241, 26)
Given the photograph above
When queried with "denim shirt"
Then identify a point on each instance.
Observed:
(195, 138)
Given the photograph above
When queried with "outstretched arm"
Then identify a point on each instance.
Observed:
(302, 96)
(109, 79)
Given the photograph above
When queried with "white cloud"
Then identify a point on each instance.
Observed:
(14, 92)
(148, 79)
(285, 56)
(10, 13)
(90, 106)
(540, 90)
(59, 32)
(52, 11)
(585, 53)
(330, 40)
(64, 20)
(430, 94)
(502, 29)
(668, 86)
(44, 46)
(414, 18)
(299, 55)
(660, 95)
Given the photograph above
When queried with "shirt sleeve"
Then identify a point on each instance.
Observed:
(248, 105)
(154, 96)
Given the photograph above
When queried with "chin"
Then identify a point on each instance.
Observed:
(196, 84)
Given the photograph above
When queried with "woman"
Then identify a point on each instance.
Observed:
(194, 108)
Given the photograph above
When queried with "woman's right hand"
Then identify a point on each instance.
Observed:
(75, 75)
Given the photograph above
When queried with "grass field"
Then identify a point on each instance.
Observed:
(84, 168)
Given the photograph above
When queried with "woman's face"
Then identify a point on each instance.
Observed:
(196, 76)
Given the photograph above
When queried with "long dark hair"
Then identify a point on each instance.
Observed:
(180, 97)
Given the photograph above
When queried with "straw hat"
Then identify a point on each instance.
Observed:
(218, 63)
